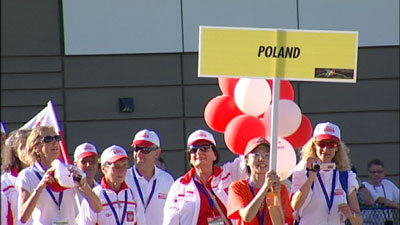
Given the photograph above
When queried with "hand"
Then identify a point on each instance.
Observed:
(48, 177)
(309, 165)
(271, 178)
(345, 209)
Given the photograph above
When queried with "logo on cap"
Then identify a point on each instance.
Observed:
(329, 129)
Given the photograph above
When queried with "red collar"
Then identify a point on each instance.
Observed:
(105, 185)
(189, 175)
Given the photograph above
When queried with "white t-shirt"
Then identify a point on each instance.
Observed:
(162, 183)
(387, 189)
(4, 209)
(46, 210)
(8, 180)
(315, 209)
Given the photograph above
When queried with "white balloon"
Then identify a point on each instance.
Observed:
(286, 159)
(289, 118)
(252, 96)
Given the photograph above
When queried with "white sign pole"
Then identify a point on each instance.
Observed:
(274, 125)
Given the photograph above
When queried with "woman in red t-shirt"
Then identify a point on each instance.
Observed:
(247, 198)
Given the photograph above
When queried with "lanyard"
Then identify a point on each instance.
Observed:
(140, 190)
(200, 187)
(329, 203)
(60, 196)
(260, 216)
(113, 209)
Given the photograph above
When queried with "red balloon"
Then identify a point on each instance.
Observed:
(219, 111)
(302, 134)
(227, 85)
(240, 130)
(286, 89)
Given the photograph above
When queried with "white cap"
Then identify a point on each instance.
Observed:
(201, 135)
(146, 138)
(85, 150)
(3, 129)
(327, 130)
(113, 154)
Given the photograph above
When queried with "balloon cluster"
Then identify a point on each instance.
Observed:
(243, 112)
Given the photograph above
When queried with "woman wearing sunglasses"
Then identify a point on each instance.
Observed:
(200, 196)
(36, 199)
(319, 193)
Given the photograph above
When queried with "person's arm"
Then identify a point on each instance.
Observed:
(28, 201)
(90, 196)
(250, 211)
(352, 210)
(366, 195)
(300, 196)
(171, 207)
(387, 202)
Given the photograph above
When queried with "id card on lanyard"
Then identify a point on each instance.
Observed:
(113, 209)
(215, 219)
(145, 205)
(329, 201)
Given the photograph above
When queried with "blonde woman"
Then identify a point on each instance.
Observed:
(36, 199)
(319, 193)
(11, 164)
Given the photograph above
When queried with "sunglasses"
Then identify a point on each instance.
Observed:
(48, 139)
(324, 144)
(204, 148)
(144, 150)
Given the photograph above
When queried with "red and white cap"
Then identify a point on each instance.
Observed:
(327, 130)
(85, 150)
(201, 135)
(254, 143)
(113, 154)
(146, 138)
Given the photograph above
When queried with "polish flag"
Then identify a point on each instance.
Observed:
(48, 117)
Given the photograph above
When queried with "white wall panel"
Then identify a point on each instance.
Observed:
(122, 26)
(376, 21)
(256, 13)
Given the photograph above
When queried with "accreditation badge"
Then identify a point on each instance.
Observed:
(215, 220)
(60, 222)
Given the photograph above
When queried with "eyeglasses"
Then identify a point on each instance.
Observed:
(327, 144)
(204, 148)
(259, 155)
(376, 171)
(48, 139)
(144, 150)
(117, 166)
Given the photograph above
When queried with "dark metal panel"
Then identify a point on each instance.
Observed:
(99, 104)
(197, 97)
(388, 153)
(190, 72)
(25, 113)
(30, 28)
(382, 62)
(365, 95)
(30, 97)
(30, 64)
(122, 132)
(31, 81)
(137, 70)
(364, 127)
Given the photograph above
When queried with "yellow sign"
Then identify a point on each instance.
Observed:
(304, 55)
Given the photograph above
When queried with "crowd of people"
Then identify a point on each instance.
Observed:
(324, 188)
